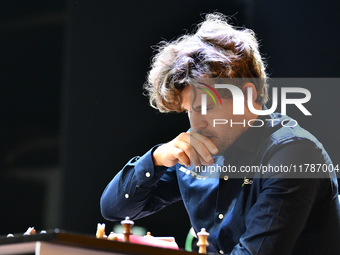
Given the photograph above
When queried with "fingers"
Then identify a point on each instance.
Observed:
(200, 148)
(171, 153)
(190, 156)
(205, 140)
(187, 148)
(181, 157)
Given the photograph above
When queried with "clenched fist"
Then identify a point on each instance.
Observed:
(186, 149)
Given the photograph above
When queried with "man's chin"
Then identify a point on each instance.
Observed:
(214, 140)
(222, 147)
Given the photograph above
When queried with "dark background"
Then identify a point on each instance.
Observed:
(72, 110)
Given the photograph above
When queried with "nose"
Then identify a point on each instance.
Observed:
(197, 120)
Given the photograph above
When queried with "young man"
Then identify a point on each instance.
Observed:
(264, 212)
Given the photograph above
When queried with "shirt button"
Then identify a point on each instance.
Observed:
(226, 177)
(221, 252)
(147, 174)
(220, 216)
(126, 195)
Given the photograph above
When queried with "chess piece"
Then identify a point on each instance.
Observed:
(202, 241)
(148, 235)
(127, 225)
(100, 231)
(30, 231)
(112, 237)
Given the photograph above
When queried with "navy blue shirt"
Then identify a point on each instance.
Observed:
(256, 213)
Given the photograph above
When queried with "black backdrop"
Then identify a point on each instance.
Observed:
(107, 120)
(98, 58)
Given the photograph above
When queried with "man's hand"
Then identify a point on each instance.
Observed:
(187, 148)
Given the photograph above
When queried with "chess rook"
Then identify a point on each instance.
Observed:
(100, 231)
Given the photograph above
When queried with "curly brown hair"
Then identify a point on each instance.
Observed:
(216, 50)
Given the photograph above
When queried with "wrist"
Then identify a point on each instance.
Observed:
(155, 157)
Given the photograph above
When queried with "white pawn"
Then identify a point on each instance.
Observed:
(112, 237)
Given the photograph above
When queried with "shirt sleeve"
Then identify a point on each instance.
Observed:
(139, 189)
(285, 206)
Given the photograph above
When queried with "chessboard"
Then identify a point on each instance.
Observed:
(56, 242)
(62, 242)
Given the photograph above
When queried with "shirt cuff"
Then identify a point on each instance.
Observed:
(147, 175)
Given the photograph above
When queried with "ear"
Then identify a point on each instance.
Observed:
(245, 91)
